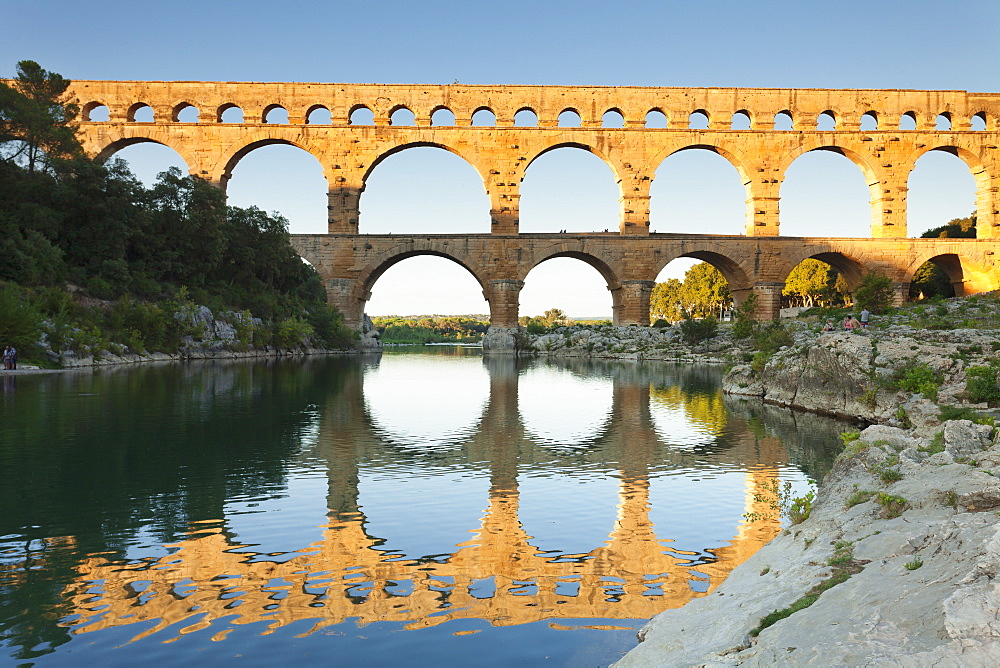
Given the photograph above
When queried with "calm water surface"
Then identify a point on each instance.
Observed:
(426, 508)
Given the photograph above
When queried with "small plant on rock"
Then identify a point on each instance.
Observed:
(936, 445)
(892, 506)
(858, 497)
(779, 498)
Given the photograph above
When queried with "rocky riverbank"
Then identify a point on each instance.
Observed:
(897, 561)
(902, 547)
(218, 338)
(871, 375)
(629, 342)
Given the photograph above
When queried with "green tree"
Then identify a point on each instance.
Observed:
(554, 318)
(705, 290)
(37, 119)
(665, 301)
(746, 323)
(808, 281)
(956, 228)
(875, 292)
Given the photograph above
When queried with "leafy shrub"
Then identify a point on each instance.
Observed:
(875, 291)
(660, 322)
(772, 336)
(981, 384)
(292, 332)
(20, 321)
(918, 378)
(760, 360)
(696, 331)
(746, 322)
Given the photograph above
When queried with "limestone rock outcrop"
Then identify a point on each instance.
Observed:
(854, 375)
(922, 553)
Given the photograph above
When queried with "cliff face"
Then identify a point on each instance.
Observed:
(857, 375)
(920, 549)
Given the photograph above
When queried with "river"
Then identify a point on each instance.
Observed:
(427, 507)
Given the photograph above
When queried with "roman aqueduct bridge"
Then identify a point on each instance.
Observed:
(900, 126)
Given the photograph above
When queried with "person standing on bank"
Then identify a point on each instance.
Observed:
(6, 358)
(13, 358)
(865, 315)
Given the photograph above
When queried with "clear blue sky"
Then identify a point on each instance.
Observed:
(848, 44)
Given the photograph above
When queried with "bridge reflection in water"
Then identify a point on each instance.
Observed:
(499, 575)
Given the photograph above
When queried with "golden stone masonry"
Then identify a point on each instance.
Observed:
(630, 258)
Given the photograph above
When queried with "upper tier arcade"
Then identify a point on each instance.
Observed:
(900, 126)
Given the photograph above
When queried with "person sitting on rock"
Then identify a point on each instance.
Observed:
(828, 327)
(855, 324)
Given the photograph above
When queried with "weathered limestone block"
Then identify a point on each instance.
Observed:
(503, 340)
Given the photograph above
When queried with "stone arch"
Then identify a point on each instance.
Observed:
(848, 266)
(966, 274)
(780, 118)
(257, 140)
(735, 158)
(356, 108)
(179, 108)
(223, 108)
(529, 110)
(652, 116)
(572, 249)
(401, 107)
(671, 183)
(135, 108)
(749, 115)
(970, 159)
(611, 272)
(485, 112)
(126, 139)
(735, 274)
(570, 110)
(375, 159)
(445, 109)
(695, 117)
(313, 108)
(267, 112)
(980, 172)
(371, 272)
(605, 158)
(87, 109)
(864, 162)
(612, 110)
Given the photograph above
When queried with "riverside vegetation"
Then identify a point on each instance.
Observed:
(94, 264)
